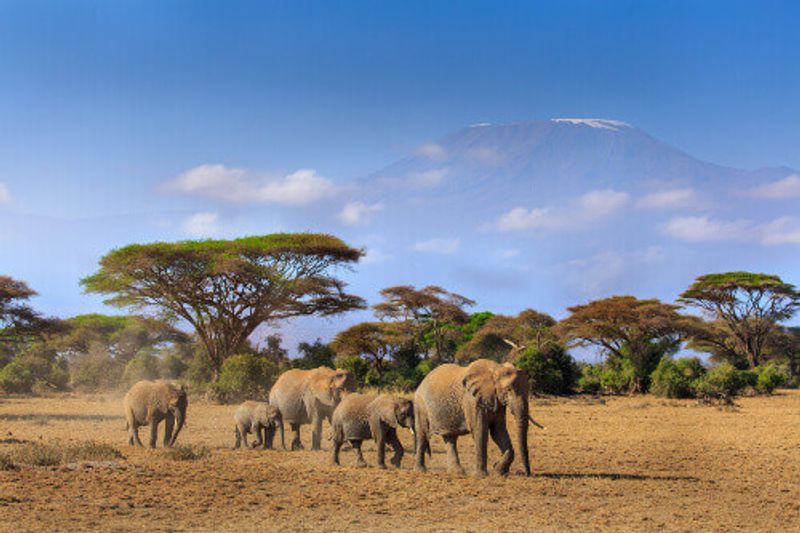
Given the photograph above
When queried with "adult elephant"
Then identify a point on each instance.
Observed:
(453, 400)
(147, 403)
(309, 396)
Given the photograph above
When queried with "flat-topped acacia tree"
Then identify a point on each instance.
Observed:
(227, 288)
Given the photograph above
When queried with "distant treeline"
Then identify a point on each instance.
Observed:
(224, 290)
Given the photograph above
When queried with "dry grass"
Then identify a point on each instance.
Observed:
(624, 464)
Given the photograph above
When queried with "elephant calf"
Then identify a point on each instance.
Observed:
(360, 416)
(260, 418)
(150, 402)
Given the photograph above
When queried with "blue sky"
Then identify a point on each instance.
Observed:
(103, 103)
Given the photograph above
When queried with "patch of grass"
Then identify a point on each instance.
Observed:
(186, 453)
(37, 454)
(91, 451)
(6, 463)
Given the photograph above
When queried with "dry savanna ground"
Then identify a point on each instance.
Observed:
(622, 464)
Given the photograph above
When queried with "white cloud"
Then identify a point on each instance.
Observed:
(238, 185)
(509, 253)
(598, 273)
(437, 246)
(431, 151)
(670, 199)
(375, 256)
(5, 194)
(202, 225)
(357, 212)
(783, 230)
(426, 179)
(592, 206)
(788, 187)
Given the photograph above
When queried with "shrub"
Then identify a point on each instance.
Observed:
(37, 454)
(674, 378)
(90, 451)
(618, 376)
(6, 463)
(172, 366)
(186, 453)
(723, 382)
(314, 355)
(356, 365)
(16, 377)
(246, 376)
(589, 379)
(550, 371)
(95, 370)
(144, 365)
(200, 371)
(769, 377)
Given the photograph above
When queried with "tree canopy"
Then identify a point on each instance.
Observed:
(503, 337)
(745, 305)
(640, 331)
(19, 322)
(225, 289)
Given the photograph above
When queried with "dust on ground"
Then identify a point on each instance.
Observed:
(622, 464)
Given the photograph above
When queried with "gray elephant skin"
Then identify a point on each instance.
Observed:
(309, 396)
(452, 401)
(262, 420)
(361, 417)
(148, 403)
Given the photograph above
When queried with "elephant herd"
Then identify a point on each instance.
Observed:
(451, 401)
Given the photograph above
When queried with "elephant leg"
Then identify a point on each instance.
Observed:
(169, 423)
(453, 463)
(421, 444)
(381, 437)
(503, 440)
(154, 432)
(269, 436)
(337, 446)
(238, 433)
(397, 446)
(480, 434)
(296, 444)
(360, 462)
(316, 432)
(133, 434)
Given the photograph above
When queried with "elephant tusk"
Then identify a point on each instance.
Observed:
(537, 424)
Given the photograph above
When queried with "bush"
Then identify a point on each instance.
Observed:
(186, 453)
(172, 366)
(723, 382)
(618, 376)
(674, 378)
(246, 376)
(200, 372)
(356, 365)
(90, 451)
(16, 377)
(550, 371)
(95, 370)
(144, 365)
(37, 454)
(589, 379)
(769, 377)
(314, 355)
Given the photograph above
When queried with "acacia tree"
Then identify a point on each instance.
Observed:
(19, 322)
(377, 342)
(504, 337)
(641, 331)
(430, 314)
(225, 289)
(745, 305)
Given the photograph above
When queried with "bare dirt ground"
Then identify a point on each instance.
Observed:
(622, 464)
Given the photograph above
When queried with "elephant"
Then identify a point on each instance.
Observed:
(150, 402)
(453, 400)
(309, 396)
(365, 416)
(260, 418)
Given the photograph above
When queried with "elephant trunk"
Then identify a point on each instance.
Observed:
(519, 408)
(180, 418)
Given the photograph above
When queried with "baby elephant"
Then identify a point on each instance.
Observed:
(361, 416)
(260, 418)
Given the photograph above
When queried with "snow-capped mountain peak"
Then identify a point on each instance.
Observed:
(600, 123)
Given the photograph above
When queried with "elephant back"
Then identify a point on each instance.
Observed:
(288, 394)
(440, 396)
(352, 415)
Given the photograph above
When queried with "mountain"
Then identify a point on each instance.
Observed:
(556, 156)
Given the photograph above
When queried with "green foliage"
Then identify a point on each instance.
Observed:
(246, 376)
(675, 378)
(144, 365)
(314, 355)
(15, 377)
(618, 376)
(95, 370)
(770, 377)
(172, 366)
(356, 365)
(723, 382)
(550, 370)
(589, 379)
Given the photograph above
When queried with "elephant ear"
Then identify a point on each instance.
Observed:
(479, 381)
(322, 388)
(510, 378)
(387, 412)
(342, 380)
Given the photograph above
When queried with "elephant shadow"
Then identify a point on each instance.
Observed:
(613, 476)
